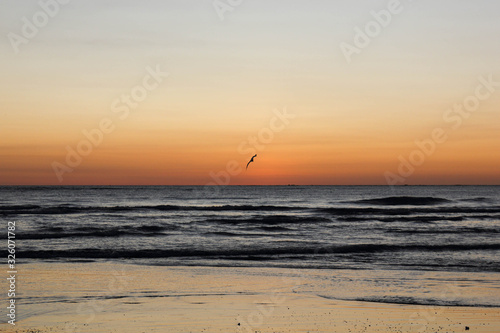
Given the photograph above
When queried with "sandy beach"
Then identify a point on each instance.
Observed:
(111, 297)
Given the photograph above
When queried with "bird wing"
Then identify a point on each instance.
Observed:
(251, 160)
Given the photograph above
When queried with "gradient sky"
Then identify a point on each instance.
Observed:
(353, 121)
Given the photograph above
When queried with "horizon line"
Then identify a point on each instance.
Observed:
(144, 185)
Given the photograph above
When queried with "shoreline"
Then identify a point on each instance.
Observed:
(111, 296)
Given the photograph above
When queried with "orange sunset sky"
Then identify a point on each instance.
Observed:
(100, 67)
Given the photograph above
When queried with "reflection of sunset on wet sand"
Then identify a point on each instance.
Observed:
(129, 298)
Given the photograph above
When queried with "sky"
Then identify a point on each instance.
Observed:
(175, 92)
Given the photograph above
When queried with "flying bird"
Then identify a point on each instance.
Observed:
(251, 160)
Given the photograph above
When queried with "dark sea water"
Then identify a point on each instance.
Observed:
(436, 232)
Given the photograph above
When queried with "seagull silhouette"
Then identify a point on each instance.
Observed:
(251, 160)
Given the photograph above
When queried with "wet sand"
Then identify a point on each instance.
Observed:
(110, 297)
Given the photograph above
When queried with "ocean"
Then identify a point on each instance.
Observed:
(405, 244)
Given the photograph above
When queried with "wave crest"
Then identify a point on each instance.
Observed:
(404, 201)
